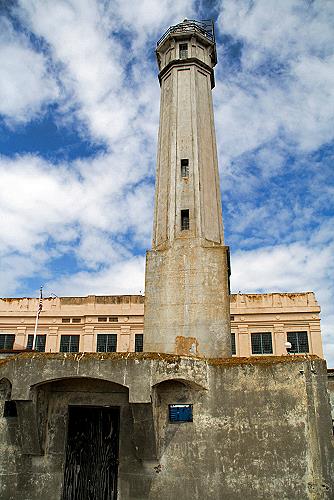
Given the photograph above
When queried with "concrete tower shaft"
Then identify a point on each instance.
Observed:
(186, 293)
(187, 203)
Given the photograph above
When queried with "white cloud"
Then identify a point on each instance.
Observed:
(113, 101)
(125, 276)
(25, 85)
(286, 79)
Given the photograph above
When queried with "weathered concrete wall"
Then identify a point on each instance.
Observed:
(261, 429)
(330, 386)
(187, 308)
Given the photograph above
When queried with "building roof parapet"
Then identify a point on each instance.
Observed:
(30, 304)
(275, 301)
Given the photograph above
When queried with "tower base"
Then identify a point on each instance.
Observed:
(187, 309)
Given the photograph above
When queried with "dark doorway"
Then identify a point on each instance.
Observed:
(91, 454)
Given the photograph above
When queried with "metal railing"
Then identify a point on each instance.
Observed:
(205, 28)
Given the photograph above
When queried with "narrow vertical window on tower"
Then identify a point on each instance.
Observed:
(183, 50)
(184, 168)
(184, 220)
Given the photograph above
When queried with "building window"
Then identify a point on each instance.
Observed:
(262, 343)
(106, 342)
(139, 342)
(40, 342)
(76, 320)
(180, 413)
(299, 341)
(7, 341)
(184, 220)
(183, 50)
(184, 168)
(102, 319)
(113, 319)
(233, 344)
(69, 343)
(10, 410)
(65, 320)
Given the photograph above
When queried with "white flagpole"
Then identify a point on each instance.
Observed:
(39, 308)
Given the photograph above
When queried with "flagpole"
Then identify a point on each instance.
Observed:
(39, 308)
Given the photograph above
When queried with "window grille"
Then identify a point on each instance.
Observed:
(106, 342)
(65, 320)
(139, 342)
(69, 343)
(262, 343)
(113, 319)
(184, 168)
(7, 341)
(233, 343)
(102, 319)
(299, 341)
(180, 413)
(183, 50)
(184, 220)
(40, 342)
(76, 320)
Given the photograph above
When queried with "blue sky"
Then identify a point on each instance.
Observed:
(79, 110)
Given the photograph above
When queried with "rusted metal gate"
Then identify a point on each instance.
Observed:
(91, 454)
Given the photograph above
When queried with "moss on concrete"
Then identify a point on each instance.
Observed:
(154, 356)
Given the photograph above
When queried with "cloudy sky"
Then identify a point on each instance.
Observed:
(79, 108)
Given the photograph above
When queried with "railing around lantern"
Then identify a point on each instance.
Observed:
(206, 28)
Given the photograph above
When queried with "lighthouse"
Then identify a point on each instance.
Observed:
(187, 270)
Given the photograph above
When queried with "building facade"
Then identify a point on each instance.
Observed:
(260, 324)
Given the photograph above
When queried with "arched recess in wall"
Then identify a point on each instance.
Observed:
(191, 384)
(54, 397)
(81, 384)
(174, 391)
(5, 389)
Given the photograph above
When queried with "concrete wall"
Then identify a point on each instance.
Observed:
(261, 428)
(331, 392)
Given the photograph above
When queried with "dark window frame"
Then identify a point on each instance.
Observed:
(106, 342)
(10, 409)
(7, 341)
(261, 343)
(139, 342)
(73, 344)
(183, 50)
(184, 168)
(185, 220)
(233, 344)
(40, 342)
(299, 342)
